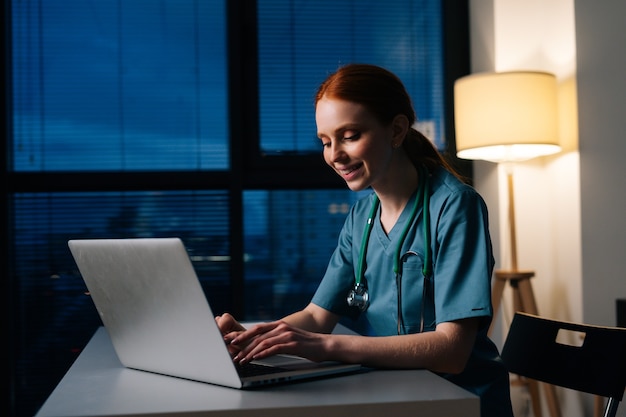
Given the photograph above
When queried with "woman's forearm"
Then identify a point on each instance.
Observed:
(313, 319)
(444, 350)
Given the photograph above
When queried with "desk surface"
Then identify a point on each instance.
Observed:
(97, 384)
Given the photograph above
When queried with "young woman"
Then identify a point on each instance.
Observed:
(414, 257)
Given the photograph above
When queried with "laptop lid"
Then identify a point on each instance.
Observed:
(151, 303)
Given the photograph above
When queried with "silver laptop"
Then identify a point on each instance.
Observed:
(153, 307)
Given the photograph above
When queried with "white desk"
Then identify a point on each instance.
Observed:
(97, 385)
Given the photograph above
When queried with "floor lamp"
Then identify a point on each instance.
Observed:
(509, 117)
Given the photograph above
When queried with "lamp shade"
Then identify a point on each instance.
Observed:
(506, 116)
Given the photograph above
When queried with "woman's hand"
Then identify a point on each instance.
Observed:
(267, 339)
(230, 329)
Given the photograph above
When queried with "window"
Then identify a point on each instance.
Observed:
(195, 119)
(100, 85)
(290, 236)
(301, 42)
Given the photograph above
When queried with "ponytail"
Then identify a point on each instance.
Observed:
(422, 152)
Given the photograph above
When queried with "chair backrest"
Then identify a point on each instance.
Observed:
(590, 359)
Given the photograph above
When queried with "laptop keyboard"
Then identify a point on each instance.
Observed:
(254, 369)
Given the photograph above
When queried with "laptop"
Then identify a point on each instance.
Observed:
(151, 303)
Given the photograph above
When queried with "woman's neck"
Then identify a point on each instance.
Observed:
(396, 194)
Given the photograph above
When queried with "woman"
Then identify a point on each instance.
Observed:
(419, 270)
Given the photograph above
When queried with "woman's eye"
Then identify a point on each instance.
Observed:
(352, 136)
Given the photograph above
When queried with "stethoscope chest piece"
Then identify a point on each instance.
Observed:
(359, 297)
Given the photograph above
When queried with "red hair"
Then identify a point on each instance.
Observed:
(383, 94)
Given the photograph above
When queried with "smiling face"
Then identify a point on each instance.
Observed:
(356, 145)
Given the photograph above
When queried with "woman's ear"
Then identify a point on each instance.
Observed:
(400, 126)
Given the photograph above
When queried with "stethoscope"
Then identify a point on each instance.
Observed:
(359, 296)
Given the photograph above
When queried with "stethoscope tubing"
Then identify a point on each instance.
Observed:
(359, 296)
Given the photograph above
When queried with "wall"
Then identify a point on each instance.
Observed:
(601, 79)
(588, 176)
(536, 35)
(570, 208)
(602, 87)
(539, 35)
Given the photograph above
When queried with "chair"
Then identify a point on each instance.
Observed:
(591, 360)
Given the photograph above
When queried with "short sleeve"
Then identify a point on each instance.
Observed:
(463, 258)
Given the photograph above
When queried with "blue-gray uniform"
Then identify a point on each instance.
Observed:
(459, 288)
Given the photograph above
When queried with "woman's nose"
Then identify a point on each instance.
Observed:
(337, 153)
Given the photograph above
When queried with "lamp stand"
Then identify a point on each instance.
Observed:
(523, 297)
(523, 300)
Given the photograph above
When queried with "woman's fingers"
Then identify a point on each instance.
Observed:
(230, 329)
(277, 337)
(255, 331)
(255, 340)
(228, 324)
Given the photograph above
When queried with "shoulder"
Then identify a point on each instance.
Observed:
(444, 182)
(447, 190)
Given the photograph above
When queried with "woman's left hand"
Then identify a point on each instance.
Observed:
(267, 339)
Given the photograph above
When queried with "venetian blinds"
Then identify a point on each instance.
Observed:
(119, 85)
(301, 42)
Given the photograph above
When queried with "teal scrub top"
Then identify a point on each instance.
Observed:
(459, 288)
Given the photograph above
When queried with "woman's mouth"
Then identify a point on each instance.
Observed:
(348, 172)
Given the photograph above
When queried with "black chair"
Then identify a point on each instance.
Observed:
(591, 360)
